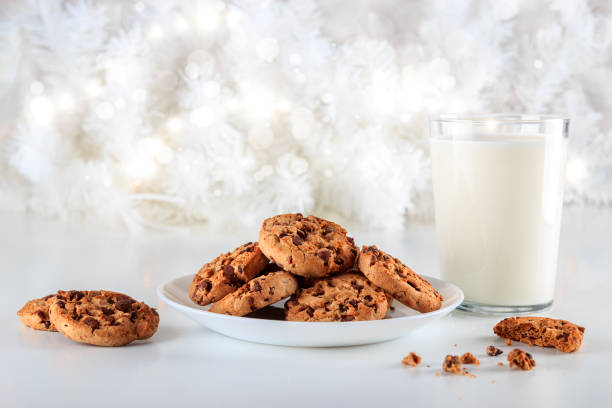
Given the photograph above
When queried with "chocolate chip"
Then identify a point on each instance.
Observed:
(276, 238)
(271, 290)
(327, 230)
(91, 322)
(76, 295)
(124, 305)
(47, 324)
(358, 287)
(339, 261)
(206, 285)
(290, 260)
(297, 240)
(301, 234)
(324, 255)
(133, 316)
(326, 306)
(41, 315)
(493, 351)
(256, 286)
(228, 271)
(353, 303)
(61, 304)
(310, 311)
(347, 318)
(372, 261)
(107, 311)
(351, 240)
(239, 268)
(368, 298)
(318, 292)
(342, 307)
(251, 300)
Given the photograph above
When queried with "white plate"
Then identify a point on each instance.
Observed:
(264, 326)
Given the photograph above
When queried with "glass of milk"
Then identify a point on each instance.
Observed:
(498, 192)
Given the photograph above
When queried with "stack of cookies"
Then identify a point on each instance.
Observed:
(317, 266)
(98, 317)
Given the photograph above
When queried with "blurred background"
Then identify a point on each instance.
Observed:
(173, 114)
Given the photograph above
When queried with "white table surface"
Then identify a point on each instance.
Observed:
(187, 365)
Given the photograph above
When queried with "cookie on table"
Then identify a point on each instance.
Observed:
(102, 318)
(226, 273)
(307, 246)
(257, 293)
(542, 331)
(398, 280)
(35, 314)
(340, 298)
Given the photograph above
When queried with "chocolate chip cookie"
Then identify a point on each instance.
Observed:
(542, 331)
(227, 273)
(398, 280)
(307, 246)
(35, 314)
(257, 293)
(102, 318)
(341, 298)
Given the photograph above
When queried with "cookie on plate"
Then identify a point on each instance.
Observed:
(256, 294)
(398, 280)
(35, 314)
(307, 246)
(226, 273)
(542, 331)
(102, 318)
(340, 298)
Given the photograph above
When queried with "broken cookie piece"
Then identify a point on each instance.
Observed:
(521, 360)
(541, 331)
(452, 365)
(412, 360)
(493, 351)
(469, 358)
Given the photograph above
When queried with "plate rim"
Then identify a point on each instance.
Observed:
(180, 306)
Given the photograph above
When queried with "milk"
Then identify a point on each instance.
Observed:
(498, 213)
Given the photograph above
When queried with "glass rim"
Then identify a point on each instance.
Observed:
(511, 118)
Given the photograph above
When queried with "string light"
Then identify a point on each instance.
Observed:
(538, 64)
(156, 31)
(208, 18)
(180, 24)
(175, 124)
(65, 102)
(42, 110)
(259, 103)
(93, 89)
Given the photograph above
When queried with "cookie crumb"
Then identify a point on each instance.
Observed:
(508, 342)
(469, 358)
(412, 360)
(500, 364)
(467, 373)
(451, 364)
(437, 374)
(521, 360)
(493, 351)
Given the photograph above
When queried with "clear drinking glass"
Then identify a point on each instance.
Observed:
(498, 191)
